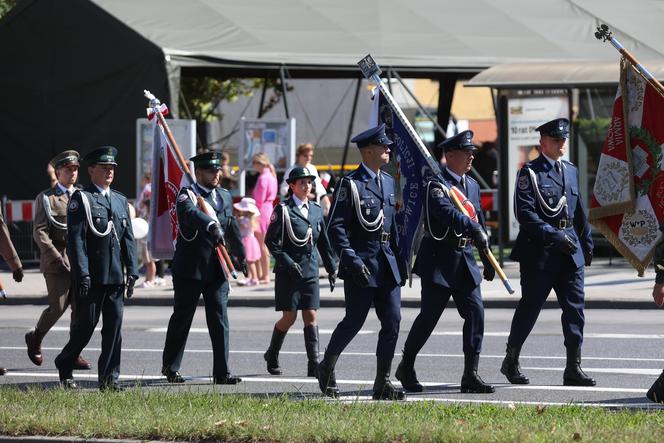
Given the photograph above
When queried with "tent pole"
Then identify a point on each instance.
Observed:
(262, 103)
(441, 131)
(283, 91)
(350, 125)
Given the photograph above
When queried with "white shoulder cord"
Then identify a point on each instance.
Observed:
(192, 238)
(426, 209)
(545, 207)
(88, 213)
(367, 225)
(288, 227)
(47, 209)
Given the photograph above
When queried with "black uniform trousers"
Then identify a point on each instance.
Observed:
(187, 293)
(536, 285)
(106, 300)
(386, 300)
(434, 300)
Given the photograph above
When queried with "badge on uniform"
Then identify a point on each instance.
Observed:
(437, 193)
(73, 206)
(524, 182)
(182, 197)
(273, 217)
(343, 193)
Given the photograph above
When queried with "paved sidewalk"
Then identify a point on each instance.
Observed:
(608, 286)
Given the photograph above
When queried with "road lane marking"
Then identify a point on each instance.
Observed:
(297, 331)
(360, 354)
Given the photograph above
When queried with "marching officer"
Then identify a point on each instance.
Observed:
(50, 235)
(552, 247)
(296, 228)
(100, 246)
(9, 255)
(656, 391)
(197, 269)
(363, 231)
(447, 267)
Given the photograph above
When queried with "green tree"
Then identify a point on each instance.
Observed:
(6, 6)
(201, 96)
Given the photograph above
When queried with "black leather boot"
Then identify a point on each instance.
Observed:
(271, 356)
(471, 382)
(656, 391)
(311, 345)
(327, 381)
(406, 374)
(511, 368)
(574, 375)
(383, 389)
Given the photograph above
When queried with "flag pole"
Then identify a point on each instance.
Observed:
(222, 252)
(604, 34)
(372, 72)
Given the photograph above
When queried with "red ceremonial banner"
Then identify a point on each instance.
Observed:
(628, 196)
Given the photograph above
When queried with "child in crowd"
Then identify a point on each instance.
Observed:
(247, 216)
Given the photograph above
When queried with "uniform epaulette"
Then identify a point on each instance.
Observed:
(313, 202)
(471, 179)
(219, 188)
(119, 193)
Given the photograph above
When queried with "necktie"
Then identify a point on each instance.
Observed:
(304, 209)
(556, 165)
(380, 187)
(463, 185)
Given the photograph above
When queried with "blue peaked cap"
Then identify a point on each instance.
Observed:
(373, 136)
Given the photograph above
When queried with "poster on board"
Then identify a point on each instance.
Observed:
(273, 137)
(524, 114)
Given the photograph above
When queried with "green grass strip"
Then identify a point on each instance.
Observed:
(158, 414)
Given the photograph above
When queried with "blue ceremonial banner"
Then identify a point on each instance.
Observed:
(411, 172)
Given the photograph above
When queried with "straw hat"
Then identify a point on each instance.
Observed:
(247, 204)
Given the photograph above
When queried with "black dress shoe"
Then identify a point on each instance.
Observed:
(408, 378)
(68, 383)
(3, 371)
(388, 392)
(472, 383)
(227, 380)
(172, 376)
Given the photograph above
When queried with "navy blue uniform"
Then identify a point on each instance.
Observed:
(103, 259)
(447, 267)
(291, 293)
(356, 246)
(544, 266)
(196, 271)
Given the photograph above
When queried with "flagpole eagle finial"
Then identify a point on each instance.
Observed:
(154, 101)
(603, 33)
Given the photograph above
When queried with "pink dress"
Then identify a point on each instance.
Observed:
(264, 193)
(251, 247)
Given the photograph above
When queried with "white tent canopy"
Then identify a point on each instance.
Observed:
(413, 36)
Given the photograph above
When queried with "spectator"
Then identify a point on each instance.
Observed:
(264, 194)
(304, 157)
(227, 175)
(143, 211)
(247, 217)
(486, 162)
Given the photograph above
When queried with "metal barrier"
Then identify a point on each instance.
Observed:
(18, 216)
